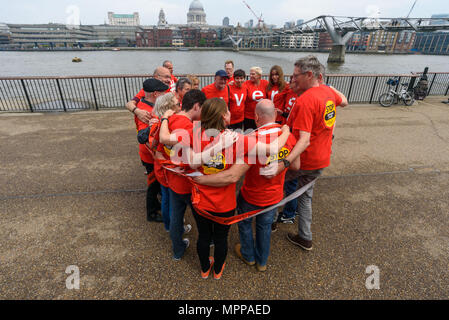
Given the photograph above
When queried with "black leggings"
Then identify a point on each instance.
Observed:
(207, 231)
(153, 190)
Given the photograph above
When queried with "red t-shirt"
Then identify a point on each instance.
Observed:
(159, 171)
(316, 113)
(144, 153)
(290, 100)
(237, 103)
(178, 183)
(231, 79)
(255, 94)
(212, 92)
(258, 190)
(278, 98)
(222, 199)
(173, 83)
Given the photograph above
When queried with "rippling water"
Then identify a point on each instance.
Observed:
(200, 62)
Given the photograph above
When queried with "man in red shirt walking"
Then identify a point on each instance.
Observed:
(312, 124)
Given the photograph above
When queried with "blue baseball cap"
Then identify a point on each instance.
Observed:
(221, 73)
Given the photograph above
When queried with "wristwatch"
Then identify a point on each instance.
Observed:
(164, 119)
(286, 163)
(134, 109)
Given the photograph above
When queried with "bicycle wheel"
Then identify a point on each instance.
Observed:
(408, 99)
(386, 100)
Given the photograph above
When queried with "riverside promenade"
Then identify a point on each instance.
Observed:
(72, 192)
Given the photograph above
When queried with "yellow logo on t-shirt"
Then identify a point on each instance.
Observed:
(169, 151)
(283, 153)
(330, 114)
(215, 165)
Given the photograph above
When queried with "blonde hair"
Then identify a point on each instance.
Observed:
(212, 113)
(258, 70)
(164, 103)
(193, 79)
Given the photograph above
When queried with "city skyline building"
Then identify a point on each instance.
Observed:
(196, 14)
(123, 19)
(439, 16)
(162, 22)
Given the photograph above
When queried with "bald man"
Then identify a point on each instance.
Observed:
(160, 73)
(257, 192)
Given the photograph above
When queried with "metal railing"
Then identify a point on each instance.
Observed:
(39, 94)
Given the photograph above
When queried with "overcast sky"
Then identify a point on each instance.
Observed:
(274, 11)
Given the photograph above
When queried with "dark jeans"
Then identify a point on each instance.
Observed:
(249, 124)
(207, 231)
(178, 206)
(153, 190)
(290, 207)
(165, 206)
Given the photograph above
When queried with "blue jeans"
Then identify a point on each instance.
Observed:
(291, 206)
(165, 206)
(261, 250)
(178, 206)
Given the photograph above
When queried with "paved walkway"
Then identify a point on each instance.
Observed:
(72, 193)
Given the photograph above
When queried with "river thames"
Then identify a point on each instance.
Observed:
(201, 62)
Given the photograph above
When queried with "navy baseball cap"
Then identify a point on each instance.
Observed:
(151, 85)
(221, 73)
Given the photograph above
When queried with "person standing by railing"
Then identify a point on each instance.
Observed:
(277, 90)
(218, 89)
(161, 74)
(173, 80)
(237, 100)
(229, 68)
(257, 90)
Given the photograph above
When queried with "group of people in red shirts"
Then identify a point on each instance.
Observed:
(192, 145)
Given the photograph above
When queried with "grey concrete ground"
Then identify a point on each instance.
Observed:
(72, 193)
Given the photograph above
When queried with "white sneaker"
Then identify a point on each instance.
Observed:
(187, 228)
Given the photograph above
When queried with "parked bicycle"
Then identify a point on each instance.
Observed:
(387, 99)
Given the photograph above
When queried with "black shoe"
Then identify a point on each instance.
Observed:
(154, 217)
(300, 242)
